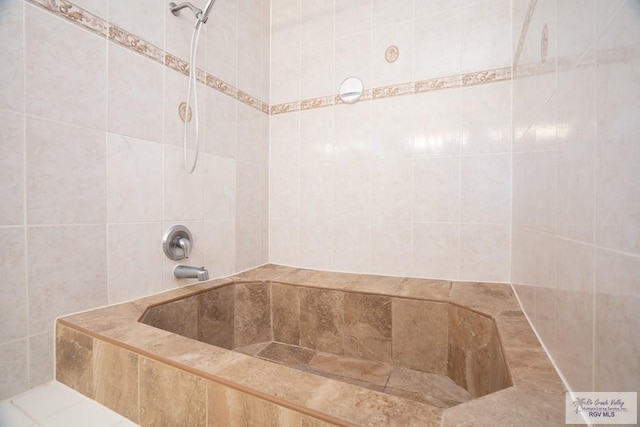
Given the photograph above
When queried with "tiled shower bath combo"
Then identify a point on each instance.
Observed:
(284, 346)
(493, 146)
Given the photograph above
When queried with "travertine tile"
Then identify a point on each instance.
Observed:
(321, 319)
(180, 317)
(488, 298)
(469, 360)
(271, 378)
(252, 314)
(287, 354)
(74, 360)
(265, 272)
(367, 326)
(420, 334)
(532, 370)
(433, 290)
(509, 407)
(252, 349)
(374, 409)
(103, 319)
(169, 397)
(115, 377)
(216, 316)
(285, 313)
(341, 366)
(434, 389)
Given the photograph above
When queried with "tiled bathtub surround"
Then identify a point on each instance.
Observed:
(173, 380)
(91, 160)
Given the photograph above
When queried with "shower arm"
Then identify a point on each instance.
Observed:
(176, 8)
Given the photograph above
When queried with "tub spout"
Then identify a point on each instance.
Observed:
(188, 272)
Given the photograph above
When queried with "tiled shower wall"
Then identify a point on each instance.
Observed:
(576, 187)
(417, 184)
(91, 161)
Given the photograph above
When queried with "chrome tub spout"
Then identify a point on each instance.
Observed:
(188, 272)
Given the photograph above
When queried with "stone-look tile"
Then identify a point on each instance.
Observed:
(488, 298)
(285, 313)
(215, 321)
(265, 272)
(74, 360)
(105, 318)
(499, 376)
(434, 389)
(229, 407)
(180, 317)
(433, 290)
(420, 334)
(532, 370)
(252, 314)
(195, 354)
(322, 320)
(271, 379)
(252, 349)
(469, 359)
(515, 331)
(11, 31)
(170, 397)
(375, 409)
(361, 370)
(287, 354)
(115, 379)
(367, 327)
(510, 407)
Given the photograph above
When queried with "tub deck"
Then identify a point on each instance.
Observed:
(156, 377)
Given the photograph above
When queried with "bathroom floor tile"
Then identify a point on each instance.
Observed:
(47, 400)
(85, 413)
(10, 415)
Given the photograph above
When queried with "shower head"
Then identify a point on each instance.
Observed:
(202, 15)
(205, 13)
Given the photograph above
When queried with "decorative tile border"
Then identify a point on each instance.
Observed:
(455, 81)
(85, 19)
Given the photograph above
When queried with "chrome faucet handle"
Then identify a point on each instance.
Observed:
(177, 242)
(184, 244)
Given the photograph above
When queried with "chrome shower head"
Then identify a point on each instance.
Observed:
(205, 13)
(202, 15)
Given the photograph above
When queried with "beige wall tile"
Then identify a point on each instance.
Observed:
(180, 317)
(12, 173)
(14, 373)
(13, 292)
(41, 359)
(285, 312)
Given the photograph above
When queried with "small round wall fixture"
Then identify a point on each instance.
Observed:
(391, 54)
(351, 90)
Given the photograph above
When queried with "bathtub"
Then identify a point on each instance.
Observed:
(293, 347)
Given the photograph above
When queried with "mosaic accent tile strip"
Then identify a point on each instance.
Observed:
(130, 41)
(455, 81)
(74, 14)
(102, 27)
